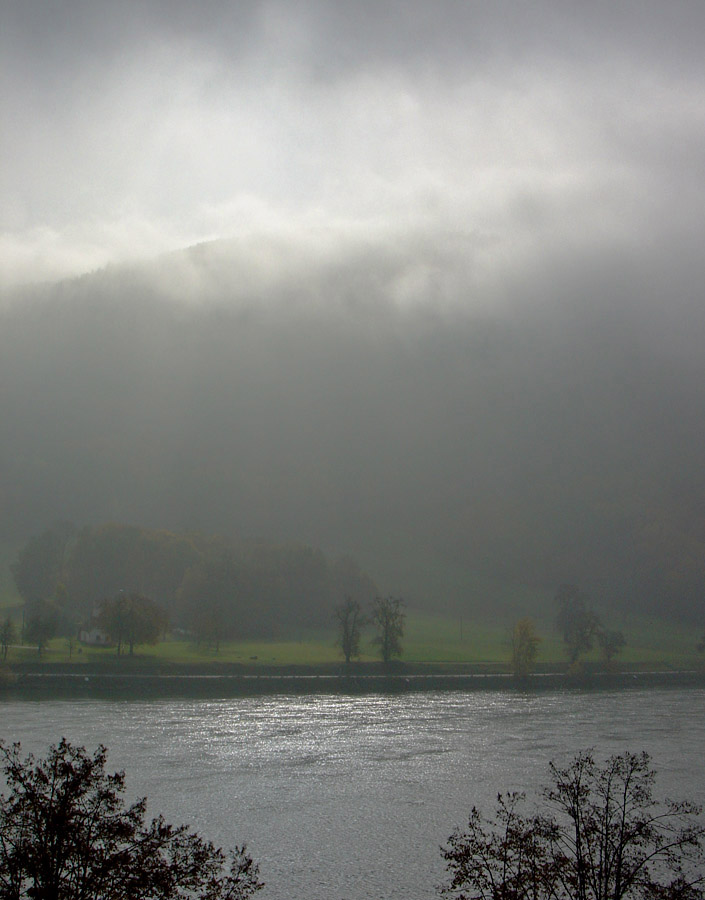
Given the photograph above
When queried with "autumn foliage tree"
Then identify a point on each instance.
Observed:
(132, 619)
(525, 647)
(67, 834)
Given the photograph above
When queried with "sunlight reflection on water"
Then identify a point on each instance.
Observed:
(350, 797)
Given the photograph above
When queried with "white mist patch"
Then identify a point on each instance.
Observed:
(501, 162)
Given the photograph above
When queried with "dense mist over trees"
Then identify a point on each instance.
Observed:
(554, 435)
(442, 307)
(136, 581)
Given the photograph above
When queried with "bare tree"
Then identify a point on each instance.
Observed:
(388, 615)
(601, 837)
(350, 624)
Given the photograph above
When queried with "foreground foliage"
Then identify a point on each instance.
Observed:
(66, 833)
(602, 836)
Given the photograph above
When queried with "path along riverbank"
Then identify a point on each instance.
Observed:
(44, 684)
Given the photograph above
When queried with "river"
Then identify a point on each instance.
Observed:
(350, 797)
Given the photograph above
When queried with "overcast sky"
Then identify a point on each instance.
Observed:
(509, 130)
(457, 304)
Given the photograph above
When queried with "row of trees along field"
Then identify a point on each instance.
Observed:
(211, 586)
(600, 834)
(579, 626)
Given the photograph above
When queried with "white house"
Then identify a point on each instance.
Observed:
(92, 634)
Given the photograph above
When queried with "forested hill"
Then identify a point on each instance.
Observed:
(209, 585)
(531, 441)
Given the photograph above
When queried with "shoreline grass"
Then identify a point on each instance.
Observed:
(434, 642)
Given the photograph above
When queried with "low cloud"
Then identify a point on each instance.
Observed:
(142, 133)
(423, 278)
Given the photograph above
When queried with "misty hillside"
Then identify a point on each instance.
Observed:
(377, 402)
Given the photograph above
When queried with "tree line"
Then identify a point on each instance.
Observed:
(213, 587)
(67, 832)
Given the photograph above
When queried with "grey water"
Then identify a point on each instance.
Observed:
(350, 797)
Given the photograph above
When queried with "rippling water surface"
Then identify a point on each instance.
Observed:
(350, 797)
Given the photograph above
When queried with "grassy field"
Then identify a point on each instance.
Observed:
(429, 640)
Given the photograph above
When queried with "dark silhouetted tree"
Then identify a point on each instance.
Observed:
(132, 619)
(611, 644)
(576, 621)
(388, 616)
(8, 635)
(525, 647)
(350, 624)
(601, 837)
(66, 834)
(42, 624)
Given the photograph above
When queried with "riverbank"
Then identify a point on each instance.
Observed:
(34, 682)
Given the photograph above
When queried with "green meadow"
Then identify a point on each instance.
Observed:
(436, 641)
